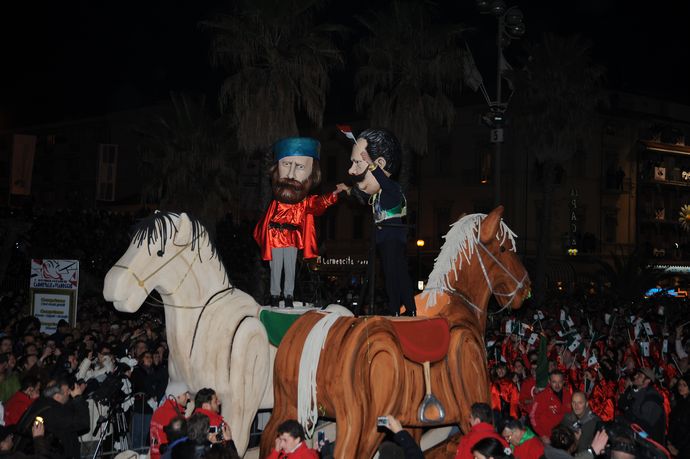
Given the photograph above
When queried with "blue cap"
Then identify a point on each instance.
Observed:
(296, 146)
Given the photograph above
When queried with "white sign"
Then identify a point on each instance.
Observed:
(59, 274)
(50, 308)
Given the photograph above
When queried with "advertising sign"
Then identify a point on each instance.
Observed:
(54, 285)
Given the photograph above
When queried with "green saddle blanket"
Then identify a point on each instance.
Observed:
(277, 324)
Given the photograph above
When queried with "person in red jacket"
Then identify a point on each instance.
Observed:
(177, 397)
(290, 443)
(206, 402)
(524, 443)
(550, 405)
(504, 393)
(480, 420)
(22, 399)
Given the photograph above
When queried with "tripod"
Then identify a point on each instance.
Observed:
(115, 418)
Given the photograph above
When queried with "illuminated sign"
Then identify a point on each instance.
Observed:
(676, 293)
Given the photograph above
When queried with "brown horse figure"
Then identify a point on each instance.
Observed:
(362, 372)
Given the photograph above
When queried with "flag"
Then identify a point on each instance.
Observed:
(607, 318)
(532, 338)
(664, 348)
(540, 314)
(509, 326)
(592, 361)
(542, 375)
(472, 77)
(505, 66)
(648, 329)
(574, 345)
(644, 345)
(347, 130)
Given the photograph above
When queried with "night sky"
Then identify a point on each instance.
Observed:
(79, 58)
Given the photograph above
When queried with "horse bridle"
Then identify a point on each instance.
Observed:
(142, 282)
(519, 284)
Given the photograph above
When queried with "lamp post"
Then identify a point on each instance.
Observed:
(510, 27)
(420, 283)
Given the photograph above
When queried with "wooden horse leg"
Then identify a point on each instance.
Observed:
(467, 364)
(373, 384)
(249, 375)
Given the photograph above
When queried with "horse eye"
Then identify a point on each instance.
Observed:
(503, 249)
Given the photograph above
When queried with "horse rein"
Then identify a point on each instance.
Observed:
(519, 284)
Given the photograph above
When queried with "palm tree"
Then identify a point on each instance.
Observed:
(192, 161)
(556, 99)
(278, 61)
(410, 70)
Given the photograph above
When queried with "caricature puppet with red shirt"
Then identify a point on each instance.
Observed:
(288, 224)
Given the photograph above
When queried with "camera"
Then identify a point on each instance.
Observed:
(216, 430)
(382, 421)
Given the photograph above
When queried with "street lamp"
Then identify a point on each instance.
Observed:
(511, 26)
(420, 282)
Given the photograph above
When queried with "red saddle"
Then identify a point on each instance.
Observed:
(423, 340)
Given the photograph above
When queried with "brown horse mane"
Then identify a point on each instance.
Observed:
(460, 243)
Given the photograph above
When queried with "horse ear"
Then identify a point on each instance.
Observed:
(490, 225)
(183, 236)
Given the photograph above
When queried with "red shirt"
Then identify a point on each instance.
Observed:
(214, 419)
(16, 406)
(302, 452)
(530, 449)
(161, 418)
(300, 215)
(476, 433)
(526, 397)
(548, 410)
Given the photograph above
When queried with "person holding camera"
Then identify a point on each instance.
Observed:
(207, 403)
(200, 440)
(65, 414)
(40, 446)
(402, 438)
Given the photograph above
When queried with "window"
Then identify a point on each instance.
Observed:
(107, 171)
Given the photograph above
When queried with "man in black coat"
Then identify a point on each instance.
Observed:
(65, 414)
(643, 405)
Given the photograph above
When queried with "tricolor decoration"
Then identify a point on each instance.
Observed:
(347, 130)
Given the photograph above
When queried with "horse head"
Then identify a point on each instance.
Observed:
(161, 256)
(477, 260)
(505, 275)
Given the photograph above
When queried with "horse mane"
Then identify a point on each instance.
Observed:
(460, 242)
(160, 226)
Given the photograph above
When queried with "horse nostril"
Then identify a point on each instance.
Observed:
(160, 253)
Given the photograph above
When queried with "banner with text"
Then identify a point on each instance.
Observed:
(54, 285)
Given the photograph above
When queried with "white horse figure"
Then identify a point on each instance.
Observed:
(214, 334)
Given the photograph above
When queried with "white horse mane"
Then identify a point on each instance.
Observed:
(460, 241)
(160, 226)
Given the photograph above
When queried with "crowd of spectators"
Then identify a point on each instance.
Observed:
(563, 376)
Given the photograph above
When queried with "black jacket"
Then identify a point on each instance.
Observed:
(63, 424)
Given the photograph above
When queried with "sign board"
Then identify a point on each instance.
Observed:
(496, 135)
(53, 285)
